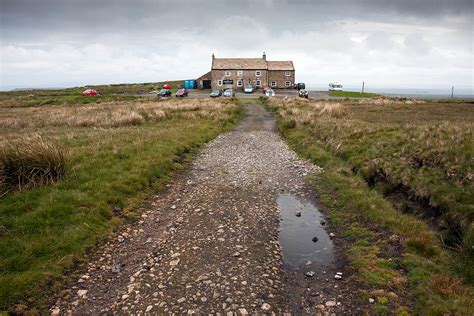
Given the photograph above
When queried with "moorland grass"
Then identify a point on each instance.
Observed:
(353, 94)
(30, 162)
(346, 148)
(118, 154)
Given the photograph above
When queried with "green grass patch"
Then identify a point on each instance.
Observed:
(353, 94)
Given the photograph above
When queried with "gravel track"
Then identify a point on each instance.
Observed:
(209, 242)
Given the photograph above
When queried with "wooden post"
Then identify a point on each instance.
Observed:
(452, 92)
(363, 83)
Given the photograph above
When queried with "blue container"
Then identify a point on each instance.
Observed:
(190, 84)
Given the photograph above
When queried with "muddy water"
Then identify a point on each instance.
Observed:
(300, 223)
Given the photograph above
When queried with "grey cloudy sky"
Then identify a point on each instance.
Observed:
(403, 43)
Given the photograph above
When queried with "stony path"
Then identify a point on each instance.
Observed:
(209, 243)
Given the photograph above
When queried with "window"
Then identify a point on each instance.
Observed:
(273, 83)
(258, 73)
(219, 82)
(287, 73)
(287, 83)
(227, 73)
(239, 72)
(239, 82)
(257, 83)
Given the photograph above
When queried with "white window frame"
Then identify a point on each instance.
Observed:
(239, 72)
(240, 83)
(287, 73)
(273, 84)
(228, 73)
(287, 83)
(258, 83)
(219, 83)
(258, 73)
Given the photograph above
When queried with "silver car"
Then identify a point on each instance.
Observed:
(229, 93)
(248, 89)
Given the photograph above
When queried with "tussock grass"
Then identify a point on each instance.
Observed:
(30, 162)
(306, 111)
(114, 114)
(383, 158)
(391, 101)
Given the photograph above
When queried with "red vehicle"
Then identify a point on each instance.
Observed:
(89, 92)
(181, 93)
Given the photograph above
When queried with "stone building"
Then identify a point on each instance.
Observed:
(239, 72)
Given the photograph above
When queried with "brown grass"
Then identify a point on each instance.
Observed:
(30, 162)
(390, 101)
(304, 111)
(15, 121)
(448, 285)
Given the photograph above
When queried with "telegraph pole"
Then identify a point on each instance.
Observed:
(363, 83)
(452, 92)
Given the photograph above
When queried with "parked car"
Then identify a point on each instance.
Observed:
(248, 89)
(89, 92)
(300, 85)
(215, 93)
(302, 93)
(229, 92)
(269, 92)
(335, 86)
(181, 93)
(164, 93)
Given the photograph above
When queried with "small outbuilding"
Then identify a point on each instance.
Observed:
(204, 82)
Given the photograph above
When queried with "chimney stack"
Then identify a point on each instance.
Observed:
(213, 56)
(264, 56)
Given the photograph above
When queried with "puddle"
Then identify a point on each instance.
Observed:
(297, 233)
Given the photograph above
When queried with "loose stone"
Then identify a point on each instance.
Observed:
(266, 306)
(330, 303)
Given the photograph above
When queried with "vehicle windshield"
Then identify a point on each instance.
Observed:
(215, 91)
(248, 87)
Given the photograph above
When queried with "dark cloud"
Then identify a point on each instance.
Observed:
(149, 40)
(126, 16)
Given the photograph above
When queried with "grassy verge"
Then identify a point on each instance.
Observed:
(353, 94)
(397, 259)
(118, 154)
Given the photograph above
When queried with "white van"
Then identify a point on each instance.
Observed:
(335, 86)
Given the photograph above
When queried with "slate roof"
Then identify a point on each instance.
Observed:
(250, 63)
(239, 63)
(280, 65)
